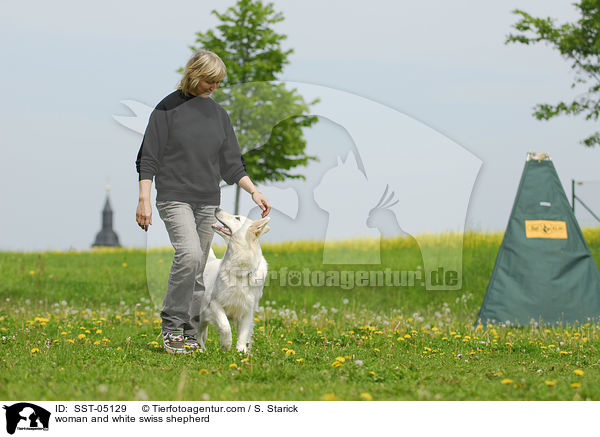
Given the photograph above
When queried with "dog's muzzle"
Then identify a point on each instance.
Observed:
(221, 227)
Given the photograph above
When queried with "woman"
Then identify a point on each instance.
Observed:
(189, 146)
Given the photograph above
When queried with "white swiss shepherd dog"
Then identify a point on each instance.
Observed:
(233, 284)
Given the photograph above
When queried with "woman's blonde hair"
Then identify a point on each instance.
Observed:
(203, 65)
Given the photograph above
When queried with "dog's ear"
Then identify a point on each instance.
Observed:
(260, 227)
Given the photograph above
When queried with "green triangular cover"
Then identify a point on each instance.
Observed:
(543, 280)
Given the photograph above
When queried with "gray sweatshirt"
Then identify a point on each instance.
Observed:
(189, 146)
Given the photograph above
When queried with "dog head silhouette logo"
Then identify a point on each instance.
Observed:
(26, 416)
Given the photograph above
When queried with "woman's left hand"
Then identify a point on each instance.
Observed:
(260, 199)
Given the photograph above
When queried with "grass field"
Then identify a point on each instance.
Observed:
(83, 325)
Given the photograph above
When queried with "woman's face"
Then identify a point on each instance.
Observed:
(205, 88)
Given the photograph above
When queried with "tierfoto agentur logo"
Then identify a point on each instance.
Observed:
(26, 416)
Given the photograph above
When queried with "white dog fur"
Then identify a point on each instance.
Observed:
(234, 284)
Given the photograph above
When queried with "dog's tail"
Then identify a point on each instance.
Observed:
(211, 255)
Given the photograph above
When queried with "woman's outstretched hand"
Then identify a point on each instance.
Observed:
(143, 215)
(260, 199)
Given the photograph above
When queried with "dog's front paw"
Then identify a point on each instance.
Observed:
(226, 345)
(242, 348)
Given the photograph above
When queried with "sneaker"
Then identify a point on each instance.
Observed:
(190, 343)
(173, 343)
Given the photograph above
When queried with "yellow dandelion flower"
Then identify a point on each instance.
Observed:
(366, 396)
(119, 348)
(81, 336)
(506, 381)
(578, 372)
(550, 383)
(124, 264)
(96, 342)
(371, 373)
(290, 352)
(233, 365)
(98, 331)
(329, 397)
(32, 272)
(300, 360)
(336, 364)
(71, 341)
(575, 385)
(203, 371)
(34, 350)
(340, 359)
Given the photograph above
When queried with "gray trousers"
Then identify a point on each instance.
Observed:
(191, 234)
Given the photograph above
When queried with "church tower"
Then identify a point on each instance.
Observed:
(106, 236)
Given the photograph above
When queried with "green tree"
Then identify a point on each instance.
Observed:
(577, 42)
(267, 118)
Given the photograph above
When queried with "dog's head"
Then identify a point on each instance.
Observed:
(239, 229)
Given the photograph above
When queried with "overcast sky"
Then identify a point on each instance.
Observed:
(67, 65)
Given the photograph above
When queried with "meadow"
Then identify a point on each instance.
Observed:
(85, 326)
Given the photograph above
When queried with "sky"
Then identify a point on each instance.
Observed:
(439, 69)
